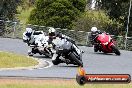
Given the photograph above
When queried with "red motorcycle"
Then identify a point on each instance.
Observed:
(105, 44)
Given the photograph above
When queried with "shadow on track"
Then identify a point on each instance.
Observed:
(112, 54)
(101, 53)
(73, 66)
(40, 57)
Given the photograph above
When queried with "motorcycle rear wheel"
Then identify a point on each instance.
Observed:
(55, 62)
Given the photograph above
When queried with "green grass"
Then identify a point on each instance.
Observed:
(55, 84)
(23, 17)
(9, 60)
(24, 14)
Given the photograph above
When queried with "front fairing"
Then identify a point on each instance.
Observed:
(103, 38)
(62, 44)
(105, 41)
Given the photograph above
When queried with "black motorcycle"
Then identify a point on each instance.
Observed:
(66, 52)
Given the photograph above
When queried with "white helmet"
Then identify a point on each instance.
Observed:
(93, 29)
(51, 29)
(29, 30)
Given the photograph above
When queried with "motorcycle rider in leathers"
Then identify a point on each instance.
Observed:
(53, 34)
(30, 38)
(27, 36)
(94, 33)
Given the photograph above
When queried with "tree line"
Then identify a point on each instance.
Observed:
(110, 15)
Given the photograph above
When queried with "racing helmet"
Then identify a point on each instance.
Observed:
(51, 31)
(28, 32)
(93, 29)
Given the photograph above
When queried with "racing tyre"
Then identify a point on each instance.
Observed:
(115, 50)
(79, 62)
(30, 54)
(95, 49)
(55, 62)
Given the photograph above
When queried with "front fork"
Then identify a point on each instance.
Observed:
(77, 49)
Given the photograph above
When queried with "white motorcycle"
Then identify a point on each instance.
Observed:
(41, 46)
(38, 43)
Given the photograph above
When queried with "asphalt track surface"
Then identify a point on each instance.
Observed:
(94, 63)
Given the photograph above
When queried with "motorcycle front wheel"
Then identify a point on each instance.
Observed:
(55, 62)
(30, 54)
(115, 50)
(79, 62)
(95, 48)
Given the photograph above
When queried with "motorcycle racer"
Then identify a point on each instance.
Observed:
(53, 34)
(28, 36)
(102, 41)
(36, 41)
(94, 34)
